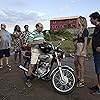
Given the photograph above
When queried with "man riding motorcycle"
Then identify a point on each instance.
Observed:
(34, 40)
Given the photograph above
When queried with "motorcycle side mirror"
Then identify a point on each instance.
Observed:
(47, 32)
(62, 39)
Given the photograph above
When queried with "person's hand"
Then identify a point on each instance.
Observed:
(82, 53)
(24, 45)
(0, 38)
(74, 39)
(98, 49)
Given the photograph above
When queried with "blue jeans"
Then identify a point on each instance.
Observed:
(97, 63)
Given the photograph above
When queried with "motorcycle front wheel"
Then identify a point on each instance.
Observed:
(65, 85)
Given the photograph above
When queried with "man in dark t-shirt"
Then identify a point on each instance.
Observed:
(95, 20)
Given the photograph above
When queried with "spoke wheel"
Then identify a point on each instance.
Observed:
(66, 84)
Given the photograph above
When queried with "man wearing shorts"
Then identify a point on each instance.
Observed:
(5, 44)
(35, 38)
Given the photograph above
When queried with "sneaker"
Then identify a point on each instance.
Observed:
(1, 66)
(32, 77)
(8, 65)
(28, 83)
(81, 84)
(97, 92)
(94, 88)
(10, 69)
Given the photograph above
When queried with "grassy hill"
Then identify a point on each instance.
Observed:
(68, 35)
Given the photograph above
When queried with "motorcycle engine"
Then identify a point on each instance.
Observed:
(43, 64)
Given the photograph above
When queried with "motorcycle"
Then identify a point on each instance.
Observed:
(62, 76)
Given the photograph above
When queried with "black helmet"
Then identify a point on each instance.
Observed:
(45, 47)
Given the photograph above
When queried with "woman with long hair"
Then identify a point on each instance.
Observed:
(80, 52)
(17, 43)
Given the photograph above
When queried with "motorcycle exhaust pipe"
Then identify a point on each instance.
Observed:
(23, 68)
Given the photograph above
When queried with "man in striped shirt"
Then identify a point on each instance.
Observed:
(34, 39)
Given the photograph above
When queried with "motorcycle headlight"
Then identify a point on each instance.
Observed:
(61, 55)
(50, 55)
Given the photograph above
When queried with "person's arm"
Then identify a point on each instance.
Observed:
(98, 43)
(9, 39)
(35, 39)
(98, 49)
(13, 38)
(30, 40)
(85, 33)
(85, 43)
(0, 37)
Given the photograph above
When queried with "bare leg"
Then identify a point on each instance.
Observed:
(77, 68)
(31, 69)
(15, 56)
(81, 63)
(20, 57)
(7, 61)
(1, 61)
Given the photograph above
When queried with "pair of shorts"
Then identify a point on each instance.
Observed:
(4, 52)
(79, 49)
(35, 52)
(97, 63)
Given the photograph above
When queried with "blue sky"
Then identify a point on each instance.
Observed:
(30, 12)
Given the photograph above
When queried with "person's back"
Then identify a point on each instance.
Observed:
(5, 44)
(4, 40)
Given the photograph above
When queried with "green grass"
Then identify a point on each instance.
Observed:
(68, 44)
(69, 47)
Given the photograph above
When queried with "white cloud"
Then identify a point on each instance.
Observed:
(18, 3)
(21, 18)
(75, 1)
(65, 8)
(2, 13)
(37, 12)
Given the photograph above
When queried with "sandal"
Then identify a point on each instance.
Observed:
(78, 80)
(1, 66)
(8, 65)
(81, 84)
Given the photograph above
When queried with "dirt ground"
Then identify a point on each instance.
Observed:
(12, 85)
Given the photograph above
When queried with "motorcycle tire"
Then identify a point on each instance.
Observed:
(64, 86)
